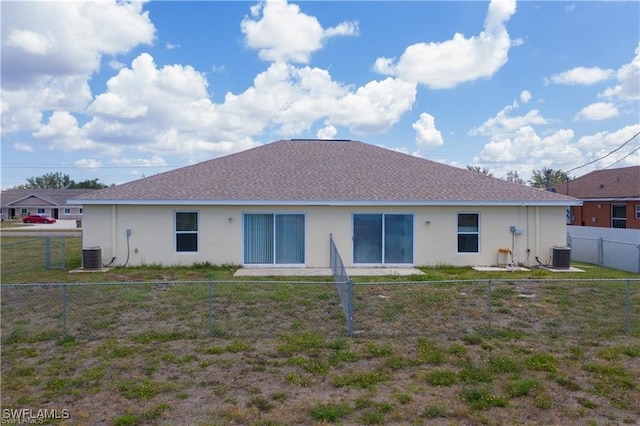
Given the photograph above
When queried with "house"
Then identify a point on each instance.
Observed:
(17, 203)
(278, 203)
(610, 198)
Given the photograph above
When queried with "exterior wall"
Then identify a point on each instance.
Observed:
(152, 239)
(74, 212)
(598, 214)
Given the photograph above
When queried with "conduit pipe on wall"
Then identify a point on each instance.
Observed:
(114, 238)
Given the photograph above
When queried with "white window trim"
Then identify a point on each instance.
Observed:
(463, 253)
(176, 232)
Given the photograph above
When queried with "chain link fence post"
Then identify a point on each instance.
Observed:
(211, 308)
(47, 252)
(627, 317)
(489, 305)
(64, 310)
(350, 309)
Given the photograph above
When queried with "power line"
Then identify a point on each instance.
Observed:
(604, 156)
(611, 165)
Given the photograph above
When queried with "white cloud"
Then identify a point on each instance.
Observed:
(62, 132)
(525, 96)
(281, 32)
(628, 77)
(51, 49)
(87, 163)
(21, 146)
(449, 63)
(374, 107)
(167, 110)
(597, 111)
(155, 161)
(328, 132)
(526, 147)
(30, 41)
(581, 75)
(427, 135)
(504, 124)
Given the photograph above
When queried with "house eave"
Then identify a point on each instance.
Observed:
(382, 203)
(611, 199)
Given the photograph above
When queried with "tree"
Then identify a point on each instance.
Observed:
(546, 178)
(513, 176)
(87, 184)
(59, 180)
(481, 170)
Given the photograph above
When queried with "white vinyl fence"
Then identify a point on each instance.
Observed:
(610, 247)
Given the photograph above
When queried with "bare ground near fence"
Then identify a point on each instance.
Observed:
(542, 352)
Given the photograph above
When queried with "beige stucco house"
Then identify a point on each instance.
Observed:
(278, 203)
(16, 203)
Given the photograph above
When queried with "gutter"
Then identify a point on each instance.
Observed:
(182, 202)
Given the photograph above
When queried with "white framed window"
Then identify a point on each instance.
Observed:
(637, 211)
(618, 215)
(40, 211)
(67, 210)
(186, 226)
(24, 211)
(80, 210)
(468, 232)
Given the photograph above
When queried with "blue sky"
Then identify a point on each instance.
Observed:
(117, 90)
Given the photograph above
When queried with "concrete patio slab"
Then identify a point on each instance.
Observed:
(324, 272)
(499, 268)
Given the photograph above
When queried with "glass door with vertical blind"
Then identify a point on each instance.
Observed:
(382, 238)
(274, 238)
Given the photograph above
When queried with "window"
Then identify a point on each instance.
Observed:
(274, 238)
(383, 238)
(40, 211)
(23, 212)
(80, 210)
(67, 210)
(637, 211)
(186, 231)
(618, 215)
(468, 233)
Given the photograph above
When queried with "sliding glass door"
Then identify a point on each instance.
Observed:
(274, 238)
(383, 238)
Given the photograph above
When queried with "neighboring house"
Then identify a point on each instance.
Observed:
(278, 203)
(17, 203)
(610, 198)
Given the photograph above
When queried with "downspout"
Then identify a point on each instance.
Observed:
(528, 243)
(114, 247)
(537, 231)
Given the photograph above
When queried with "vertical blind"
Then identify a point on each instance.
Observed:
(274, 238)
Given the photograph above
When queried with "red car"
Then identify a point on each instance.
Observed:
(36, 218)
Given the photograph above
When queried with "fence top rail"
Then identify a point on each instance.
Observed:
(275, 282)
(577, 237)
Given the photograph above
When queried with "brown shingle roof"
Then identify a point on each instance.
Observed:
(618, 183)
(57, 197)
(308, 171)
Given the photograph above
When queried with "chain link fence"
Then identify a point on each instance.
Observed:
(228, 309)
(24, 255)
